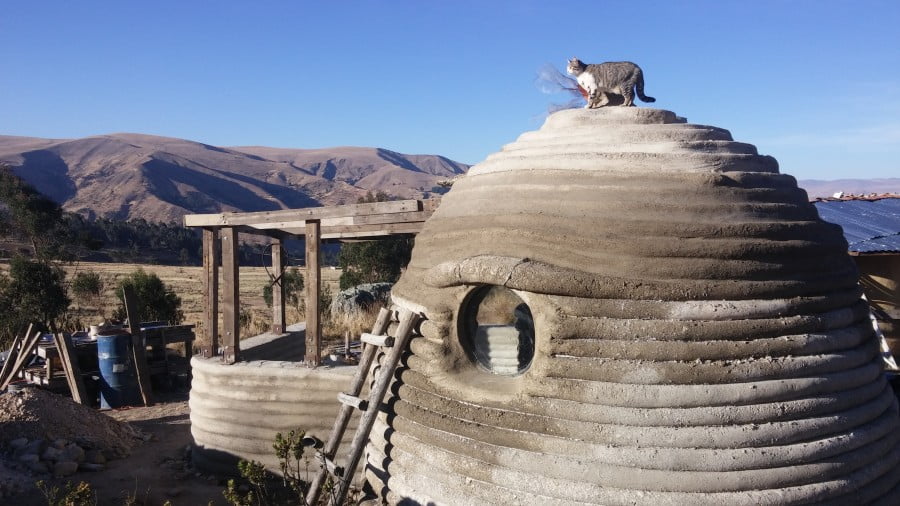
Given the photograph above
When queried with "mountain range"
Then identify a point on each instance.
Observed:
(160, 179)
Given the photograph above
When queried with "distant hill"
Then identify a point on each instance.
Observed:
(129, 176)
(820, 188)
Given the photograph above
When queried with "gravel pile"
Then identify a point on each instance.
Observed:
(36, 414)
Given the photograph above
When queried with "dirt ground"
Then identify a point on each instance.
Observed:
(155, 471)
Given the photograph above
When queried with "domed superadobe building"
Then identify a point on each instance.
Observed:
(626, 308)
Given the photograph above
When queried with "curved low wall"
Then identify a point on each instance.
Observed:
(236, 410)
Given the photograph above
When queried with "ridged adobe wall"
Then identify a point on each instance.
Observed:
(699, 332)
(236, 410)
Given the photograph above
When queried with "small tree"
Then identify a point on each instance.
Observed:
(156, 301)
(373, 261)
(87, 285)
(32, 217)
(33, 292)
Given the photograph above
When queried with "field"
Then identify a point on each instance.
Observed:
(187, 283)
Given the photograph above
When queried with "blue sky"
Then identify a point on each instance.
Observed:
(814, 83)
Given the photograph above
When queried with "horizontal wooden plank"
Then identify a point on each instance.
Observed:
(356, 231)
(353, 401)
(332, 468)
(262, 218)
(378, 231)
(386, 341)
(410, 217)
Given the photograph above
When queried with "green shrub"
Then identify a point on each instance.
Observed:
(373, 261)
(156, 302)
(33, 292)
(292, 281)
(86, 285)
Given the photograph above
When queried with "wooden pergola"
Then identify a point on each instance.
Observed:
(314, 224)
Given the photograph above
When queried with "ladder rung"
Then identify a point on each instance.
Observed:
(351, 400)
(386, 341)
(330, 466)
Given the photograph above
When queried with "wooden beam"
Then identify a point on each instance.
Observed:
(410, 217)
(10, 360)
(70, 366)
(138, 347)
(231, 300)
(375, 230)
(313, 292)
(25, 354)
(344, 221)
(10, 366)
(211, 291)
(309, 213)
(278, 317)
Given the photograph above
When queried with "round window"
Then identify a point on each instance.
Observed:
(497, 330)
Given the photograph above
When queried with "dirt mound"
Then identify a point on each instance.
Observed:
(37, 414)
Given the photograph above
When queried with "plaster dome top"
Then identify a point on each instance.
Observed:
(635, 202)
(623, 308)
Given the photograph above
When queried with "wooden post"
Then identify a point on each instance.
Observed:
(70, 366)
(210, 292)
(29, 344)
(313, 292)
(278, 320)
(10, 360)
(18, 346)
(231, 299)
(138, 346)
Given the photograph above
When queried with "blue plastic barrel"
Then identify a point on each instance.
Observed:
(118, 383)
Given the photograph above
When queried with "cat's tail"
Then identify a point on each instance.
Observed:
(639, 86)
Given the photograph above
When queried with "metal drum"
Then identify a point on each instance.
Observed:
(118, 383)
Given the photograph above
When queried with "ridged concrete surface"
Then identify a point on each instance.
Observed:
(699, 333)
(236, 410)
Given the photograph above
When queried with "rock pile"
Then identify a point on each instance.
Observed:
(360, 298)
(43, 433)
(60, 457)
(38, 414)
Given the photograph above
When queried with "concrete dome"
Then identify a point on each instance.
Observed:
(698, 334)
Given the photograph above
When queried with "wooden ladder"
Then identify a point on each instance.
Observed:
(350, 401)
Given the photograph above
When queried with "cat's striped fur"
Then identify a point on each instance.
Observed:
(600, 79)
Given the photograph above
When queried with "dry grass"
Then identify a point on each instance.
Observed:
(187, 283)
(335, 327)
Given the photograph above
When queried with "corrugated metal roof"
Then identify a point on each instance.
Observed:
(870, 226)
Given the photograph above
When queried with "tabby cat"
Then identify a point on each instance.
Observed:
(601, 79)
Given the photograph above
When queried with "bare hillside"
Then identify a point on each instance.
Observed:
(129, 176)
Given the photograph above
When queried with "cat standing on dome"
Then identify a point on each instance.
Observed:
(599, 80)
